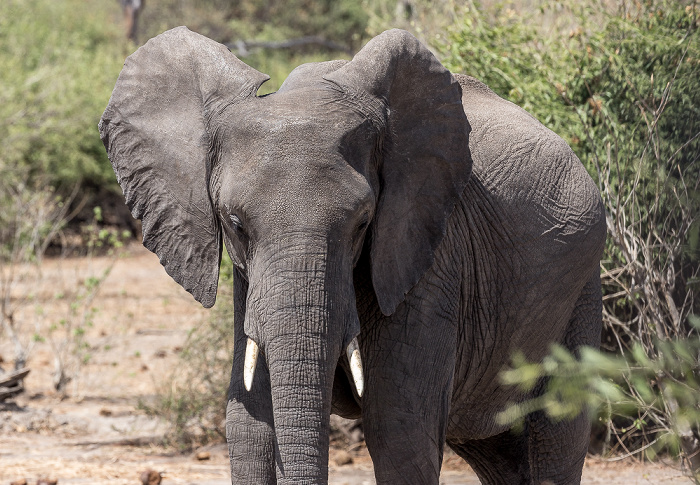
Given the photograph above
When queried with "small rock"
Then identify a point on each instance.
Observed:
(160, 354)
(151, 477)
(21, 481)
(105, 412)
(203, 455)
(342, 457)
(47, 481)
(144, 368)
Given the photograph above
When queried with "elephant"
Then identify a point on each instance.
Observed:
(397, 233)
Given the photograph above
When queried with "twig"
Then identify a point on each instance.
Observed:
(244, 48)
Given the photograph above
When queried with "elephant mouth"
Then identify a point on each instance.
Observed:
(352, 352)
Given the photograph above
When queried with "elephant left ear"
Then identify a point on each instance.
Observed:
(425, 159)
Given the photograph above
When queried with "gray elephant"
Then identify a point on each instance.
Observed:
(397, 233)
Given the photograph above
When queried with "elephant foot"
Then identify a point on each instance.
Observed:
(498, 460)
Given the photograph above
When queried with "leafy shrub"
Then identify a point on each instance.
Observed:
(655, 398)
(340, 21)
(58, 64)
(511, 56)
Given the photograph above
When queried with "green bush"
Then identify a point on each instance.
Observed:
(651, 403)
(58, 65)
(511, 56)
(594, 76)
(339, 21)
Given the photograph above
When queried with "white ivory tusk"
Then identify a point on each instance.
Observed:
(353, 353)
(251, 358)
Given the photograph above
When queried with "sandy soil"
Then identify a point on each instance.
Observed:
(98, 435)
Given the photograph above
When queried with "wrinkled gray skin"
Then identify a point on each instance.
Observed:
(382, 198)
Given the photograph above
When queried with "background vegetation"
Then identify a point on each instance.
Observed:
(620, 81)
(621, 86)
(58, 64)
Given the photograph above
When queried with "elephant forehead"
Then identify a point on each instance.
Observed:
(292, 187)
(310, 130)
(313, 112)
(286, 161)
(298, 187)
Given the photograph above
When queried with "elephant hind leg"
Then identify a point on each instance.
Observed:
(498, 460)
(547, 451)
(558, 449)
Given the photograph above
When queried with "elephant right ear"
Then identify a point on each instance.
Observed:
(158, 135)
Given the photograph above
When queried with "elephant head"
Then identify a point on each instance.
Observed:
(368, 156)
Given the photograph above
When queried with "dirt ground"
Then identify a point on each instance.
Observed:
(98, 435)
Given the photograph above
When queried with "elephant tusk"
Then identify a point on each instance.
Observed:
(353, 353)
(251, 358)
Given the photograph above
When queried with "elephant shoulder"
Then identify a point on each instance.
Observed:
(529, 171)
(510, 148)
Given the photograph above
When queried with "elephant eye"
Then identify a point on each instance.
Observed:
(236, 221)
(363, 224)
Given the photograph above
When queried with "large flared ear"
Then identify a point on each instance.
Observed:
(425, 160)
(158, 133)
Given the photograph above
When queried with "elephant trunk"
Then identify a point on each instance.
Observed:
(300, 320)
(301, 399)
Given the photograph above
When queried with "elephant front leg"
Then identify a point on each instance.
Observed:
(409, 369)
(250, 430)
(249, 423)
